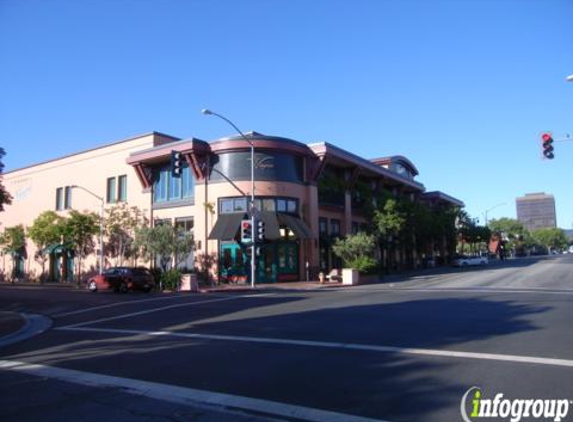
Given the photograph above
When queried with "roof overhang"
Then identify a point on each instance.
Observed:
(341, 158)
(441, 197)
(195, 151)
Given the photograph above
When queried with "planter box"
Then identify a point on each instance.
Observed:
(189, 283)
(350, 276)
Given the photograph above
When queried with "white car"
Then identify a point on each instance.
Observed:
(470, 261)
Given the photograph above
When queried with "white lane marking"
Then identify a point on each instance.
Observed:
(155, 299)
(148, 311)
(183, 395)
(112, 305)
(338, 345)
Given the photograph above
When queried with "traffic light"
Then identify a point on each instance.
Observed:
(547, 144)
(176, 163)
(246, 231)
(260, 230)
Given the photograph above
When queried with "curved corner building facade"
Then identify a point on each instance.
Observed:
(307, 195)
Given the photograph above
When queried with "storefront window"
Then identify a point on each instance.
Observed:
(268, 204)
(240, 204)
(226, 206)
(230, 205)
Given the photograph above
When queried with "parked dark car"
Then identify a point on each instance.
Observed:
(122, 279)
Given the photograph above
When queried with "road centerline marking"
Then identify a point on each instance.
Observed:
(341, 345)
(183, 395)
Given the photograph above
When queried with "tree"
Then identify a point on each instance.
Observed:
(46, 229)
(445, 220)
(388, 223)
(356, 251)
(121, 223)
(511, 230)
(508, 226)
(164, 241)
(551, 238)
(5, 197)
(79, 229)
(13, 242)
(420, 228)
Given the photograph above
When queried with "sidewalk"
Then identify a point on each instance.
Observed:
(282, 286)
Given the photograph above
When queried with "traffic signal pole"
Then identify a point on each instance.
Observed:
(253, 210)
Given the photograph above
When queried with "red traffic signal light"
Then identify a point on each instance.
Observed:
(246, 231)
(547, 145)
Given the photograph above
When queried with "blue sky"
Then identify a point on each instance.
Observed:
(462, 88)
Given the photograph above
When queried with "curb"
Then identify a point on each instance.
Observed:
(33, 325)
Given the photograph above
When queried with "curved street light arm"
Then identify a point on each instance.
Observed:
(208, 112)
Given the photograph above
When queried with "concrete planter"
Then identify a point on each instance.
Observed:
(350, 276)
(189, 283)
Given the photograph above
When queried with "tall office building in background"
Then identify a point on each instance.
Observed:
(536, 210)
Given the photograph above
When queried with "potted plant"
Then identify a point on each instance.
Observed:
(356, 251)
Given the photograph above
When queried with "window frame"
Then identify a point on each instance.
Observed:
(122, 188)
(59, 199)
(110, 192)
(67, 197)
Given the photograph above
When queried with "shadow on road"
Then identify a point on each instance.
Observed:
(389, 385)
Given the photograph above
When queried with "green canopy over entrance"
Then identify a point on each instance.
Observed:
(58, 248)
(299, 227)
(227, 226)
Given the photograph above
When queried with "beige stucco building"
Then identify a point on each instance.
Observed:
(307, 195)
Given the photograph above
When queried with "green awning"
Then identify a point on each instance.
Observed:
(227, 226)
(58, 248)
(50, 249)
(299, 227)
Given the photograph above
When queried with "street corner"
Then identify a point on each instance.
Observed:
(10, 323)
(16, 327)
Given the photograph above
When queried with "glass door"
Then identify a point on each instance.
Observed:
(288, 262)
(266, 264)
(233, 266)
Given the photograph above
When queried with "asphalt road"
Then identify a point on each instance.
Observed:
(406, 350)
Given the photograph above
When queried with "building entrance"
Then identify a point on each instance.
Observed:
(276, 261)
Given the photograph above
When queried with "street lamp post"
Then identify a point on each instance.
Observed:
(208, 112)
(491, 209)
(100, 223)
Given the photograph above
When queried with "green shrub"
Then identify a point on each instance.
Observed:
(357, 251)
(364, 264)
(170, 279)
